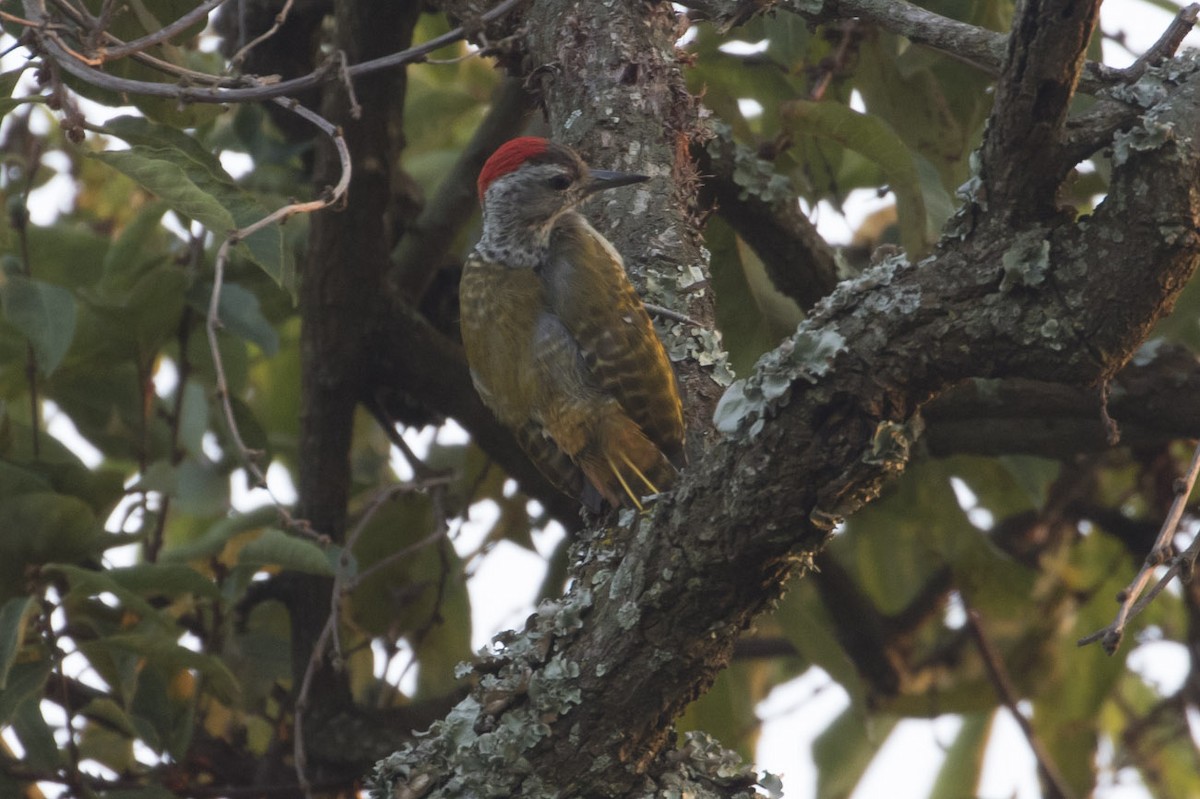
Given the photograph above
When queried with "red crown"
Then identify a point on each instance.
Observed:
(509, 158)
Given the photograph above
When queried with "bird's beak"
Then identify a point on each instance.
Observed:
(601, 179)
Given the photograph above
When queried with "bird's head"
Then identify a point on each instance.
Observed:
(528, 182)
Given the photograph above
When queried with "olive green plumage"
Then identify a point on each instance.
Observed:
(559, 343)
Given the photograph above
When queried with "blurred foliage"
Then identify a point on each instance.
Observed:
(112, 436)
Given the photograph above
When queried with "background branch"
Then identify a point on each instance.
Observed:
(799, 262)
(1021, 157)
(423, 249)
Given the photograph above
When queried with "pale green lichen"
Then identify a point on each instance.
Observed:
(480, 748)
(1053, 329)
(807, 355)
(1149, 352)
(1026, 262)
(754, 176)
(1147, 92)
(1150, 135)
(703, 769)
(628, 615)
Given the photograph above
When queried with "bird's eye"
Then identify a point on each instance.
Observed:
(560, 182)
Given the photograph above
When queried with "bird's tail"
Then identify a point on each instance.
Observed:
(625, 465)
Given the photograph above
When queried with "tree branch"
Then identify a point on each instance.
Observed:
(978, 47)
(1051, 776)
(78, 65)
(764, 211)
(1021, 158)
(1152, 400)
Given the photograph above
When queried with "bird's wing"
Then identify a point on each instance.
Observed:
(499, 309)
(586, 287)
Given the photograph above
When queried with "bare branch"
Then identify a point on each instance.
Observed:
(826, 419)
(1021, 157)
(299, 752)
(1151, 399)
(1159, 555)
(1008, 695)
(1167, 44)
(79, 65)
(280, 18)
(161, 35)
(981, 48)
(767, 216)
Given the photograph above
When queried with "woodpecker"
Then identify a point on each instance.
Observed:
(560, 347)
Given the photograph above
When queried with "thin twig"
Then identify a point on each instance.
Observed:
(837, 62)
(80, 65)
(667, 313)
(439, 532)
(343, 70)
(159, 36)
(421, 470)
(250, 457)
(1166, 45)
(1159, 555)
(1008, 695)
(341, 579)
(343, 584)
(18, 219)
(113, 43)
(280, 18)
(15, 20)
(299, 755)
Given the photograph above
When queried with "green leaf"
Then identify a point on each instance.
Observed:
(963, 766)
(214, 538)
(277, 548)
(44, 313)
(25, 680)
(199, 487)
(726, 710)
(805, 622)
(133, 315)
(876, 141)
(141, 245)
(16, 479)
(89, 582)
(191, 180)
(8, 83)
(161, 649)
(40, 527)
(41, 750)
(106, 744)
(202, 489)
(747, 314)
(193, 417)
(845, 749)
(12, 633)
(165, 579)
(157, 169)
(67, 253)
(110, 713)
